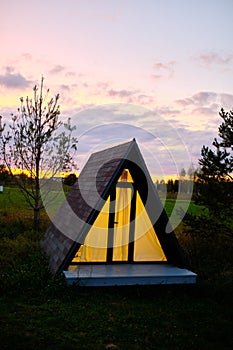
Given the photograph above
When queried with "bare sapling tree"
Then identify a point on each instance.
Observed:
(38, 144)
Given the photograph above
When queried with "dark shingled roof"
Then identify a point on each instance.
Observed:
(86, 198)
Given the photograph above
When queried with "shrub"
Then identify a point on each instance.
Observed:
(24, 268)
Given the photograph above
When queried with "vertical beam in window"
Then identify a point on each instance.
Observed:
(111, 220)
(132, 225)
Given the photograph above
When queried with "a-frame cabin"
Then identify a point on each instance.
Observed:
(112, 228)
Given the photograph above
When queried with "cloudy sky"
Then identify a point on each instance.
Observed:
(157, 70)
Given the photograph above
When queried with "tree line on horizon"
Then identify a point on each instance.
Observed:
(9, 179)
(170, 186)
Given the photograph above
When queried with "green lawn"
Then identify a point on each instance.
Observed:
(12, 201)
(188, 206)
(39, 311)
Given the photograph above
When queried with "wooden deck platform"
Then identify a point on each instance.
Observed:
(129, 274)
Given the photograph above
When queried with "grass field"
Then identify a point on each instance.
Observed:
(13, 202)
(38, 311)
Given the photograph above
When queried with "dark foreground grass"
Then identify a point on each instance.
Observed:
(39, 311)
(155, 317)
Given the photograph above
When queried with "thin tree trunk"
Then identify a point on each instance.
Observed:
(37, 200)
(36, 219)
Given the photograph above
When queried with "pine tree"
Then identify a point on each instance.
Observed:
(215, 180)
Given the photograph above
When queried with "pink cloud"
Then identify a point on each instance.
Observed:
(120, 93)
(103, 85)
(204, 111)
(206, 103)
(156, 77)
(214, 58)
(207, 99)
(27, 56)
(162, 69)
(57, 69)
(70, 74)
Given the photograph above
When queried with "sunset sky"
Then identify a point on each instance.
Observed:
(157, 70)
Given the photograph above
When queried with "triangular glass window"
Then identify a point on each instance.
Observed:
(94, 248)
(139, 232)
(146, 243)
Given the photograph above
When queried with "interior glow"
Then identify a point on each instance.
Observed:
(146, 246)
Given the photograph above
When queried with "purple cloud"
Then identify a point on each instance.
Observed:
(70, 74)
(57, 69)
(144, 99)
(27, 56)
(13, 80)
(213, 58)
(162, 70)
(227, 101)
(120, 93)
(65, 87)
(206, 99)
(156, 77)
(205, 110)
(103, 85)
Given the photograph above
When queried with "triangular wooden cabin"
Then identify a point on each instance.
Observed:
(112, 229)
